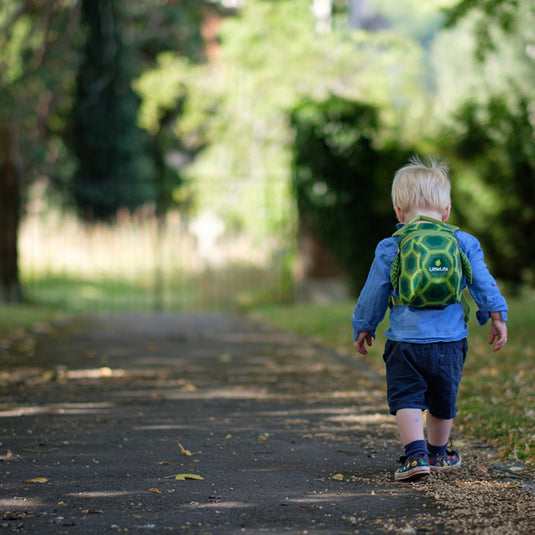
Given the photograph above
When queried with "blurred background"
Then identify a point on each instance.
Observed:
(175, 155)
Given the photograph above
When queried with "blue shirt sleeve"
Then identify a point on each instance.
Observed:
(372, 303)
(483, 289)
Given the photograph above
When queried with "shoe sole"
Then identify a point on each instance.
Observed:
(412, 475)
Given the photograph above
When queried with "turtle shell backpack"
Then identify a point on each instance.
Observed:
(429, 267)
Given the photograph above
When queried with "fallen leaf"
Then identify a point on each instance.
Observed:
(37, 480)
(161, 463)
(516, 468)
(184, 451)
(156, 491)
(182, 477)
(339, 477)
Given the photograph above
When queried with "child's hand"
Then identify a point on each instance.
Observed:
(359, 342)
(498, 331)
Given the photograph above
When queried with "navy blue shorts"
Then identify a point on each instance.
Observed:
(424, 376)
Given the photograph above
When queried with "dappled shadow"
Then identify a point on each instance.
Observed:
(286, 436)
(110, 413)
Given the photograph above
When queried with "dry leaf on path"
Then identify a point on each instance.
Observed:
(182, 477)
(184, 451)
(338, 477)
(37, 480)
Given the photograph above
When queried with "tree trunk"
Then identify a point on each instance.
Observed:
(320, 280)
(10, 175)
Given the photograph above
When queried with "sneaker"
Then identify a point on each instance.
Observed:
(413, 467)
(439, 463)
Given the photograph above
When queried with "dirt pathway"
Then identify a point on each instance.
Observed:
(210, 424)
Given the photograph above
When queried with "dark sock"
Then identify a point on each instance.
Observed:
(415, 447)
(439, 451)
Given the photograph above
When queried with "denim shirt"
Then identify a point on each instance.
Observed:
(424, 325)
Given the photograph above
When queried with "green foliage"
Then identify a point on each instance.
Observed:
(39, 47)
(497, 141)
(112, 171)
(342, 181)
(236, 109)
(158, 27)
(37, 54)
(167, 42)
(503, 14)
(487, 108)
(272, 58)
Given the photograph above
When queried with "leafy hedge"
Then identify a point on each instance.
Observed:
(342, 179)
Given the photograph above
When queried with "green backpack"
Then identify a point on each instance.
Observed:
(429, 267)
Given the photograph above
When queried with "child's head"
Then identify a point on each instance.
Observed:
(421, 185)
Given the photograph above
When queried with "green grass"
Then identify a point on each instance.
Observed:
(327, 323)
(17, 318)
(229, 289)
(80, 295)
(496, 399)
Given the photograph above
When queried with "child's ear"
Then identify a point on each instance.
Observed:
(399, 214)
(446, 213)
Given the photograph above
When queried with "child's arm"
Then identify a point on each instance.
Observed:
(498, 331)
(362, 337)
(483, 288)
(372, 303)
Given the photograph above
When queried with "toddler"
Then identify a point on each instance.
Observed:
(426, 347)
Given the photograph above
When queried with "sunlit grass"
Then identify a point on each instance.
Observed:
(496, 399)
(139, 265)
(17, 318)
(229, 289)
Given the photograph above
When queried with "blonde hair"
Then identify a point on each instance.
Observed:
(422, 185)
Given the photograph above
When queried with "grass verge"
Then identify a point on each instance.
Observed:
(18, 318)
